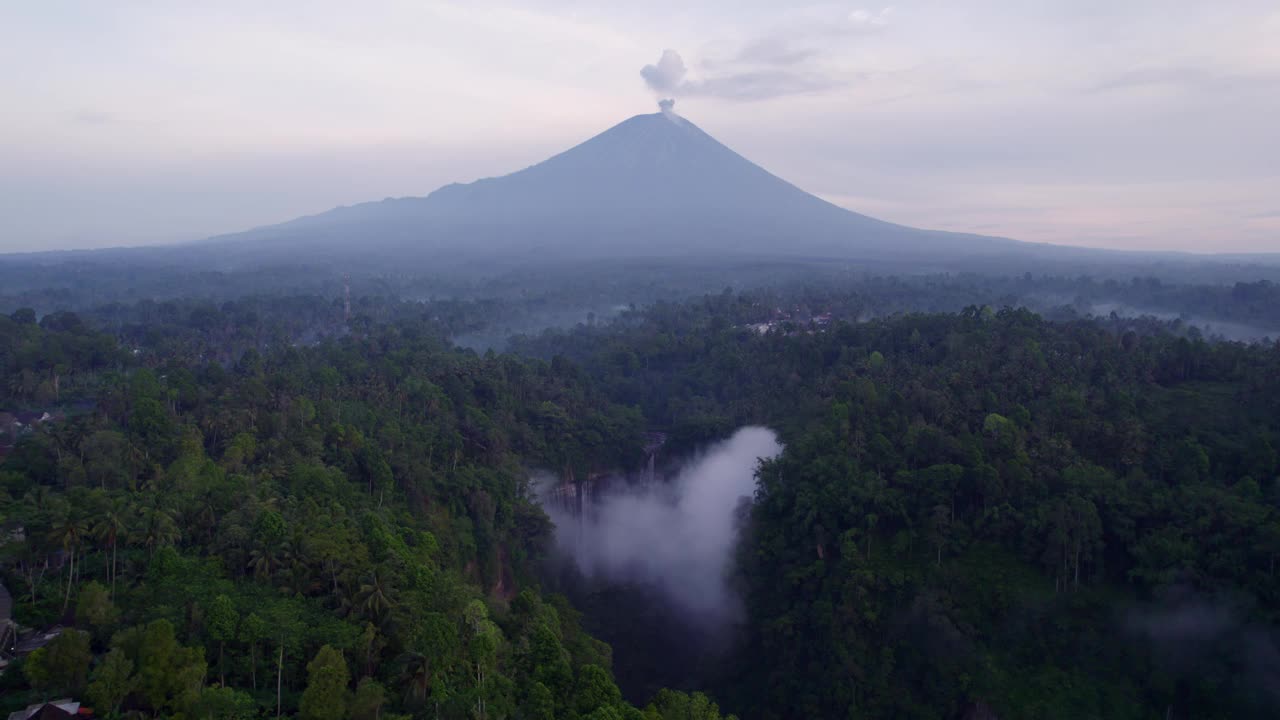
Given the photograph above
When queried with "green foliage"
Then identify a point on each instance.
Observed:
(224, 703)
(594, 690)
(979, 508)
(964, 504)
(113, 681)
(327, 696)
(61, 667)
(368, 701)
(674, 705)
(168, 676)
(95, 609)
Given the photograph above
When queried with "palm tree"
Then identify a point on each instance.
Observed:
(263, 561)
(205, 515)
(415, 677)
(374, 598)
(69, 530)
(37, 507)
(156, 529)
(111, 523)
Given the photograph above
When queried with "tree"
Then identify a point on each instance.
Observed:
(224, 703)
(69, 530)
(485, 638)
(374, 598)
(169, 675)
(156, 528)
(221, 622)
(95, 609)
(595, 689)
(539, 704)
(105, 453)
(939, 529)
(24, 316)
(110, 525)
(1074, 532)
(253, 631)
(369, 699)
(371, 644)
(113, 680)
(62, 666)
(326, 696)
(415, 677)
(674, 705)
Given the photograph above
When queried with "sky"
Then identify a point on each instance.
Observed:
(1133, 124)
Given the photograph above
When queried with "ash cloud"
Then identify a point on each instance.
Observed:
(666, 76)
(679, 535)
(787, 60)
(777, 76)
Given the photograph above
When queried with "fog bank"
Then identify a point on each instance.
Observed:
(677, 535)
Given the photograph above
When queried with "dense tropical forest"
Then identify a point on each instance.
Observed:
(983, 509)
(338, 531)
(255, 507)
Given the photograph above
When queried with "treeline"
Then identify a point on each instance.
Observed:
(327, 532)
(300, 303)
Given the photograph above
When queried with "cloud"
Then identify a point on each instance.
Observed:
(774, 50)
(739, 80)
(763, 84)
(866, 19)
(667, 75)
(1200, 79)
(92, 117)
(787, 60)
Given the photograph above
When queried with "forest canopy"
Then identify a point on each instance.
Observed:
(986, 510)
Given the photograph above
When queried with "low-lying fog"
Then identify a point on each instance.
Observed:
(677, 535)
(1210, 327)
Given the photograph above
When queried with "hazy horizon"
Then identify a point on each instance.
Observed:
(1144, 127)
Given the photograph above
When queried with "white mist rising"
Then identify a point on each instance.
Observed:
(678, 535)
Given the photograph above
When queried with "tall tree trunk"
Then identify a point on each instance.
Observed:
(71, 570)
(279, 676)
(1077, 563)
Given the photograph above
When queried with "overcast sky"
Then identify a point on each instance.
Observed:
(1138, 124)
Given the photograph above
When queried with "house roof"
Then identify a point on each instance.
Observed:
(29, 643)
(56, 710)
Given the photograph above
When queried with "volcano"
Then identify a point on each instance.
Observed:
(653, 185)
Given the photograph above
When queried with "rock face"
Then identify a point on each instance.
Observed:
(651, 185)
